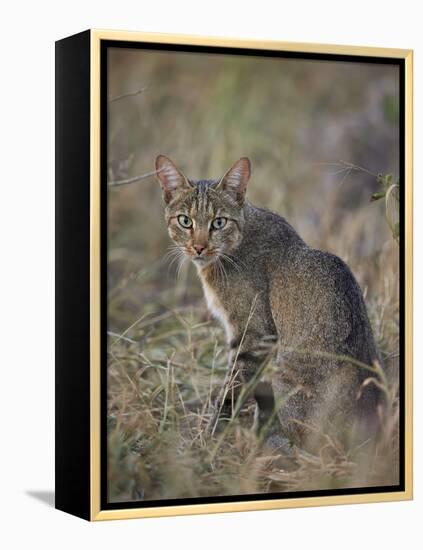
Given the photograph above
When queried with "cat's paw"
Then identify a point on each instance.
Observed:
(219, 416)
(280, 444)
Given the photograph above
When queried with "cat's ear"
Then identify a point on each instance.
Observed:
(234, 182)
(171, 179)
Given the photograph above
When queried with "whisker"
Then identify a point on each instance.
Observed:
(231, 260)
(222, 271)
(181, 263)
(177, 259)
(174, 254)
(172, 250)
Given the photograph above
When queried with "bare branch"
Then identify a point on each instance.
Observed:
(347, 167)
(129, 94)
(352, 166)
(120, 337)
(134, 179)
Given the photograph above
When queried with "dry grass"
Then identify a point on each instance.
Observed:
(158, 445)
(165, 353)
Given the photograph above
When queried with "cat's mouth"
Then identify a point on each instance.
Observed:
(202, 259)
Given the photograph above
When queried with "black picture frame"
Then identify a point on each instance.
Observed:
(81, 454)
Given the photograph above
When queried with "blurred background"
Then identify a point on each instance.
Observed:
(318, 133)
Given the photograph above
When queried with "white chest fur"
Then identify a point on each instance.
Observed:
(216, 309)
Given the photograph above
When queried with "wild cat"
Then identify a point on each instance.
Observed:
(280, 300)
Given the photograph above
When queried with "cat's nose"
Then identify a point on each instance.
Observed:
(198, 248)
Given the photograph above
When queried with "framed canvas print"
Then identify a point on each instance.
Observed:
(234, 275)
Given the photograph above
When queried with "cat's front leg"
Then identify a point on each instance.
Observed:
(224, 404)
(246, 364)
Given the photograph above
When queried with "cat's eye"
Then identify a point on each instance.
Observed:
(185, 221)
(218, 223)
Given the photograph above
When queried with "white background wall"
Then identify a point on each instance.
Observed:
(28, 32)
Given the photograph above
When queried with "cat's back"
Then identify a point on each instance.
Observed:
(318, 301)
(267, 234)
(290, 261)
(309, 277)
(314, 295)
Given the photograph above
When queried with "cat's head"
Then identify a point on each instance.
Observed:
(205, 218)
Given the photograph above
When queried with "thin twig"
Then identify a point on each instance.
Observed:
(230, 376)
(129, 94)
(129, 328)
(134, 179)
(120, 337)
(346, 167)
